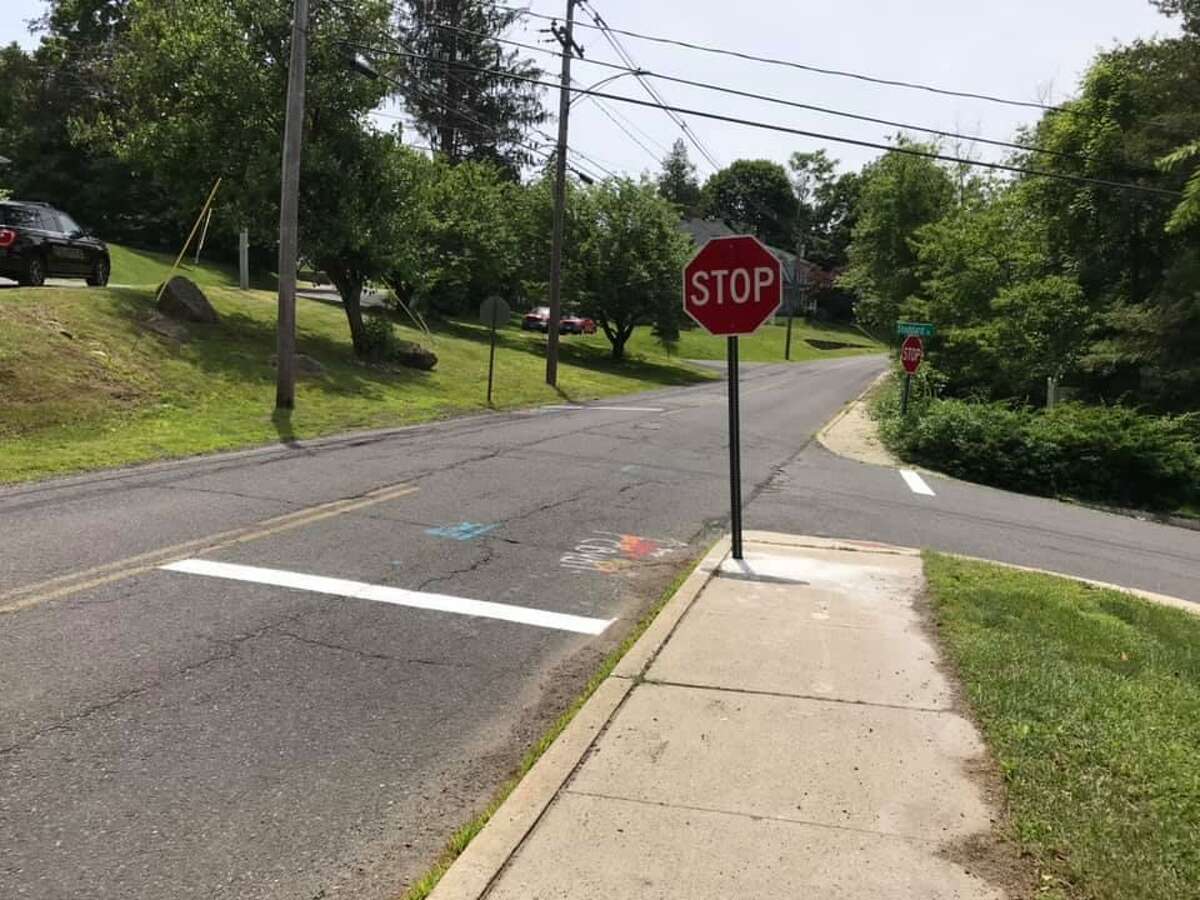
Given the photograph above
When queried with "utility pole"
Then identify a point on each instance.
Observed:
(566, 38)
(800, 275)
(289, 204)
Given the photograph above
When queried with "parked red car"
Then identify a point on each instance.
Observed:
(573, 324)
(538, 319)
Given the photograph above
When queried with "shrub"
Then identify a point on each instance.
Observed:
(380, 338)
(1108, 454)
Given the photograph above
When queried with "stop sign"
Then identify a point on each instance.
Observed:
(912, 351)
(732, 285)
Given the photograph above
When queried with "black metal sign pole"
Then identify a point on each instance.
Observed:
(492, 353)
(904, 397)
(735, 447)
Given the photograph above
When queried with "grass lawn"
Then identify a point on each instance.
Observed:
(809, 342)
(138, 267)
(1090, 701)
(84, 386)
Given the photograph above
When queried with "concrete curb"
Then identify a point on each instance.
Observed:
(475, 870)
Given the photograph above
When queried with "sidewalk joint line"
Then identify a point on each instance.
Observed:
(757, 817)
(814, 697)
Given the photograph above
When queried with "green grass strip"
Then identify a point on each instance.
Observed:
(1090, 701)
(464, 835)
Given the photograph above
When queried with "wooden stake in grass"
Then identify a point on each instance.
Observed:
(182, 250)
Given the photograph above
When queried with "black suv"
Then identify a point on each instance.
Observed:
(37, 241)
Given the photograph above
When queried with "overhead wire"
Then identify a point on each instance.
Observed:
(834, 138)
(649, 88)
(819, 70)
(781, 101)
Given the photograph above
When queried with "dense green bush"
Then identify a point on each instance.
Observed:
(1109, 454)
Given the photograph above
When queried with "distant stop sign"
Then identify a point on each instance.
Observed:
(732, 285)
(912, 351)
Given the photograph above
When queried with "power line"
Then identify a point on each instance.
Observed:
(649, 88)
(838, 139)
(819, 70)
(824, 110)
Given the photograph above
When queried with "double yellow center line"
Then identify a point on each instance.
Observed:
(65, 585)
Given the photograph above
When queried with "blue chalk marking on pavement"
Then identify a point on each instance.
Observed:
(463, 531)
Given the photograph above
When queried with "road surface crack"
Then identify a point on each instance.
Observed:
(368, 654)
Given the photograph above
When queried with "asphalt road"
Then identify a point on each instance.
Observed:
(215, 732)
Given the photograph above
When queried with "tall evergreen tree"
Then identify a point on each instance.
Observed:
(678, 183)
(464, 110)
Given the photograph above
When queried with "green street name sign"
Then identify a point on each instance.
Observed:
(919, 329)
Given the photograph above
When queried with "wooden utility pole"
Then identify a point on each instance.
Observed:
(566, 38)
(289, 205)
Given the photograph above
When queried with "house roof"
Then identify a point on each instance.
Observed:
(704, 230)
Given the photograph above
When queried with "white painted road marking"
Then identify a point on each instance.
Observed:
(359, 590)
(916, 483)
(612, 408)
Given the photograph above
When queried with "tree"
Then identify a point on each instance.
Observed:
(631, 254)
(467, 237)
(812, 177)
(456, 87)
(1188, 10)
(678, 183)
(360, 195)
(1133, 252)
(754, 195)
(900, 194)
(201, 95)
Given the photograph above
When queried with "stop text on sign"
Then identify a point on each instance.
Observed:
(734, 285)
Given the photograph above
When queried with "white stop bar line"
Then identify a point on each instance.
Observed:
(916, 483)
(341, 587)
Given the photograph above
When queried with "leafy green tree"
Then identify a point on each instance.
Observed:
(677, 181)
(1132, 252)
(631, 254)
(900, 194)
(826, 207)
(360, 196)
(754, 195)
(1188, 10)
(202, 95)
(1186, 216)
(455, 85)
(468, 236)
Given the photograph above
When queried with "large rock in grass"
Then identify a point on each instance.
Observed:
(414, 356)
(183, 301)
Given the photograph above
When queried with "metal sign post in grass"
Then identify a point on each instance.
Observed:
(730, 288)
(493, 310)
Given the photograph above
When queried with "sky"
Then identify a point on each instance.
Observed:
(1030, 50)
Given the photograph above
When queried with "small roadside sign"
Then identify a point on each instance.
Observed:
(915, 329)
(912, 351)
(493, 312)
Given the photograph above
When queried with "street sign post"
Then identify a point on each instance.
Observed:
(912, 351)
(492, 311)
(730, 288)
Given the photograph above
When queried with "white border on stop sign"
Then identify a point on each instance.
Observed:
(701, 249)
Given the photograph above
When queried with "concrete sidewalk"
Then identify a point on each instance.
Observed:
(782, 730)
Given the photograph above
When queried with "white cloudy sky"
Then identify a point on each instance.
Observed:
(1022, 49)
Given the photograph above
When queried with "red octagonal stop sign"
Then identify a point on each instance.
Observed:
(732, 285)
(912, 351)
